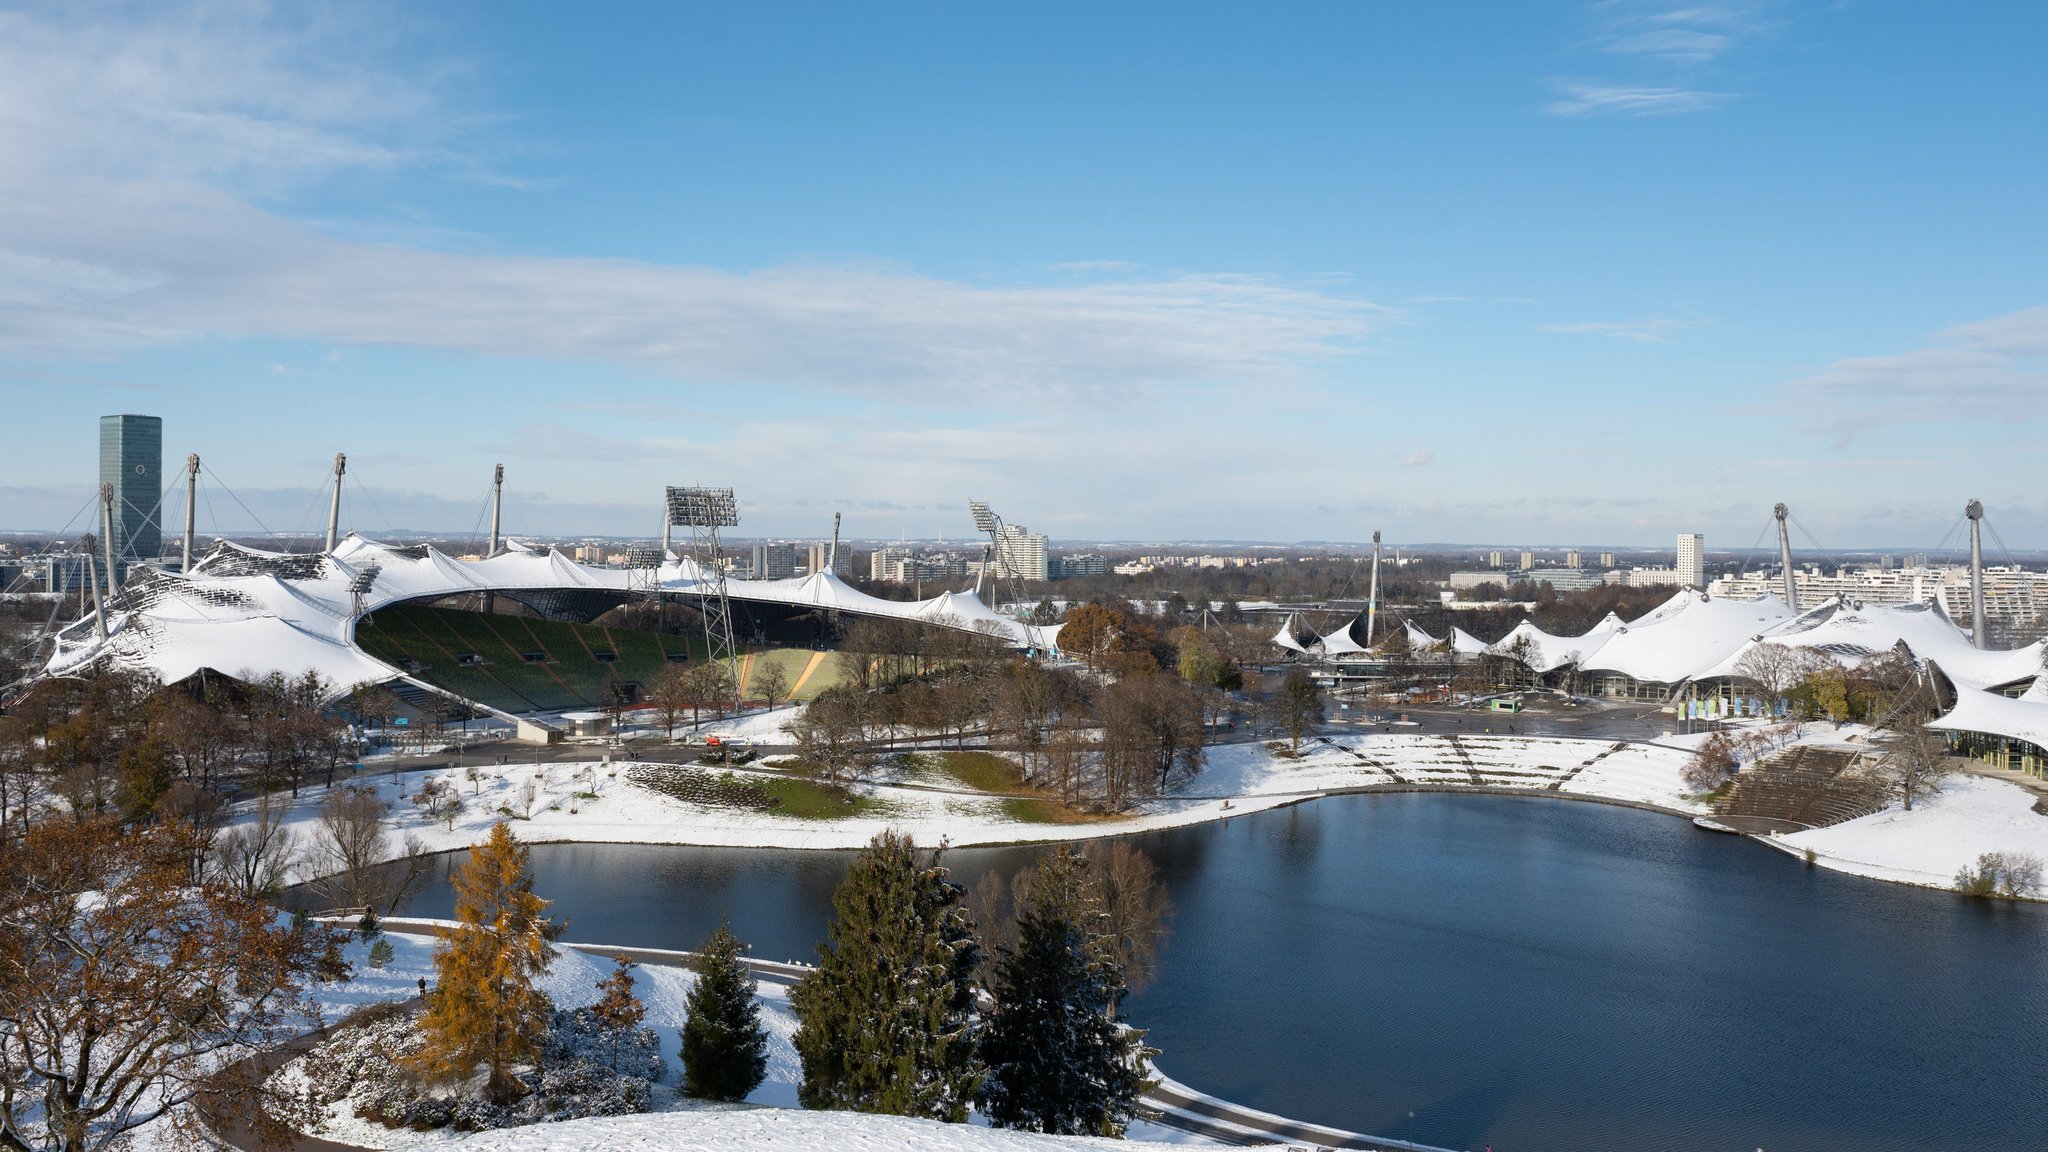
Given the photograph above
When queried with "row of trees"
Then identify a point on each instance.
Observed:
(891, 1020)
(120, 742)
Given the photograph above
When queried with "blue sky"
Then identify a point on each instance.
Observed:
(1586, 272)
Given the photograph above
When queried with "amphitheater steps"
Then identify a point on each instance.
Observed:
(1558, 784)
(1804, 786)
(1465, 757)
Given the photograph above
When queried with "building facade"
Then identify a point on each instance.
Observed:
(1021, 551)
(132, 460)
(1692, 560)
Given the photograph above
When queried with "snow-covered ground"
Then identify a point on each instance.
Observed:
(597, 801)
(772, 1130)
(1971, 815)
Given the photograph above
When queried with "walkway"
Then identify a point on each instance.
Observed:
(1177, 1106)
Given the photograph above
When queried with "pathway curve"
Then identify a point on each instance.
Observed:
(1176, 1105)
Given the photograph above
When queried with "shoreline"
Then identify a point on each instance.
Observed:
(1243, 779)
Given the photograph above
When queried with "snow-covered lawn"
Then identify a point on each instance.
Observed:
(598, 802)
(1942, 834)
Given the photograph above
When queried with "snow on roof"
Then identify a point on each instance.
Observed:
(1466, 644)
(244, 610)
(1853, 633)
(1977, 711)
(1686, 636)
(1548, 653)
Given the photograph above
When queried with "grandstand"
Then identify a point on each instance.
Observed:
(490, 658)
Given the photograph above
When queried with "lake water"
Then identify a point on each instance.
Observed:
(1468, 970)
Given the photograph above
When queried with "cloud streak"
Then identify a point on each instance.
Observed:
(127, 218)
(1991, 368)
(1579, 99)
(1655, 330)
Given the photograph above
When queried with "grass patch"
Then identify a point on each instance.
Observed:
(987, 772)
(981, 771)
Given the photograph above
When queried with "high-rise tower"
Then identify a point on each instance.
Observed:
(1692, 560)
(132, 460)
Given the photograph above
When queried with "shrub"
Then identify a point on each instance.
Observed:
(2011, 875)
(1712, 765)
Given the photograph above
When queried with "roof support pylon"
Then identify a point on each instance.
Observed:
(334, 503)
(191, 505)
(1979, 634)
(1785, 558)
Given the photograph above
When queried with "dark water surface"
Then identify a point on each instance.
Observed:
(1531, 974)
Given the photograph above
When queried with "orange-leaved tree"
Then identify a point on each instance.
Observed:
(487, 1010)
(124, 988)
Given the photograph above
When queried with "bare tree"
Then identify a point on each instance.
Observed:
(352, 842)
(831, 736)
(1772, 668)
(123, 987)
(1300, 705)
(1913, 763)
(1137, 910)
(255, 857)
(772, 682)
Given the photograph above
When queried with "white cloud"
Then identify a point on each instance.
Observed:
(1580, 99)
(1670, 47)
(1994, 368)
(1419, 458)
(129, 213)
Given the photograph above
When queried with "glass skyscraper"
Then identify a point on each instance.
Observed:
(132, 460)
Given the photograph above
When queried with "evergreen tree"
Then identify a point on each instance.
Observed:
(487, 1010)
(886, 1023)
(1058, 1061)
(725, 1049)
(380, 954)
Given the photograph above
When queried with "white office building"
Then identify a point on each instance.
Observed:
(1692, 560)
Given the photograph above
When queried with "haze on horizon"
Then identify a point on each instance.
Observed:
(1587, 272)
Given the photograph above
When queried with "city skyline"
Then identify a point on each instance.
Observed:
(1593, 273)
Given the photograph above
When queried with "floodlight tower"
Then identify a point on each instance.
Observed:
(1785, 558)
(1979, 634)
(985, 520)
(704, 511)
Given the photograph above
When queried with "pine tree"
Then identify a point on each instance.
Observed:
(1058, 1061)
(487, 1010)
(886, 1023)
(380, 954)
(725, 1049)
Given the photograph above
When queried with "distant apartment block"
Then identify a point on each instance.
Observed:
(1021, 552)
(1692, 560)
